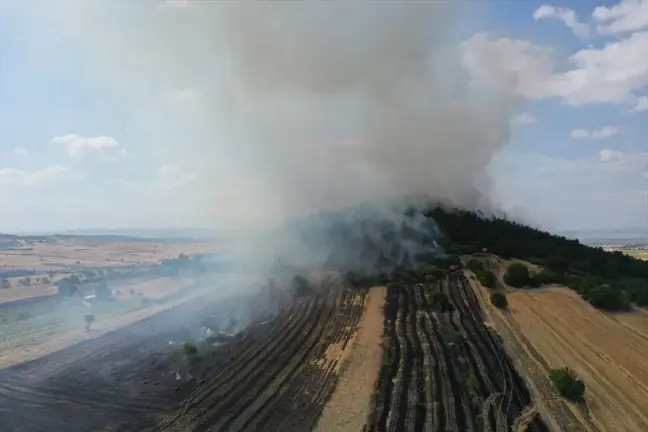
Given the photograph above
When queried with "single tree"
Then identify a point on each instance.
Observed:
(189, 349)
(498, 299)
(568, 384)
(517, 275)
(89, 319)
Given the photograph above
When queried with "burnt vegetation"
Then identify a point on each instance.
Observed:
(387, 248)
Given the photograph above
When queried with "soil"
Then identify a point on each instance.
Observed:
(351, 401)
(445, 370)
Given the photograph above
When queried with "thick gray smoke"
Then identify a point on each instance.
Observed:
(290, 108)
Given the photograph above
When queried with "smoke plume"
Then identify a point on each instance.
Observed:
(287, 108)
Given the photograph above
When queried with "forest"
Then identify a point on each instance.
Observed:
(373, 244)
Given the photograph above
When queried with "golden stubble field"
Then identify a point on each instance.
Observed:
(608, 351)
(79, 253)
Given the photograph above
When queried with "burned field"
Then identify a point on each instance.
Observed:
(275, 374)
(443, 369)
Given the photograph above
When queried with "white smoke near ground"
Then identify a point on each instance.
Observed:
(292, 108)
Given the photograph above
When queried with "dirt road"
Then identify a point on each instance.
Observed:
(347, 410)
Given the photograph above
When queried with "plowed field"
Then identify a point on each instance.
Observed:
(446, 371)
(274, 375)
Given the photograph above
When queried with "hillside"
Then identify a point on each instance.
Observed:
(382, 243)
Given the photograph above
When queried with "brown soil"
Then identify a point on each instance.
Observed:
(607, 355)
(348, 408)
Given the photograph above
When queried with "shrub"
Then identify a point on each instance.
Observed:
(89, 319)
(498, 299)
(188, 348)
(66, 288)
(102, 291)
(608, 298)
(473, 384)
(475, 266)
(517, 275)
(4, 283)
(546, 277)
(487, 278)
(439, 301)
(300, 285)
(567, 384)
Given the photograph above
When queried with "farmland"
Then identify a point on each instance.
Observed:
(271, 372)
(445, 370)
(608, 352)
(75, 253)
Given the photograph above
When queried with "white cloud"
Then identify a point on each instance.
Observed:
(524, 119)
(566, 16)
(609, 155)
(611, 73)
(14, 177)
(626, 16)
(171, 177)
(642, 104)
(100, 147)
(19, 151)
(595, 134)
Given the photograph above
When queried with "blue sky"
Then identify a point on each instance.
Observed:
(111, 115)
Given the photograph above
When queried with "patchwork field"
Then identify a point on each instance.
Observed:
(77, 253)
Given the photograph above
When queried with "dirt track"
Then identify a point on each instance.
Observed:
(611, 358)
(350, 403)
(275, 375)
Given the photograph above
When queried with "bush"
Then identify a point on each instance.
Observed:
(188, 348)
(608, 298)
(473, 384)
(546, 277)
(517, 275)
(89, 319)
(429, 272)
(475, 266)
(567, 384)
(66, 288)
(300, 285)
(498, 299)
(488, 279)
(4, 283)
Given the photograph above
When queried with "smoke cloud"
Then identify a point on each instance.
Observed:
(287, 108)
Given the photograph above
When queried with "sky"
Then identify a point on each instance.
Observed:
(118, 114)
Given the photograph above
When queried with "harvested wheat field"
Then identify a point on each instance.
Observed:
(611, 357)
(350, 403)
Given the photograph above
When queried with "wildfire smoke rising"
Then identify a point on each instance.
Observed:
(294, 107)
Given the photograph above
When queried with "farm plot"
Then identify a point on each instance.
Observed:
(276, 374)
(446, 371)
(608, 352)
(284, 382)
